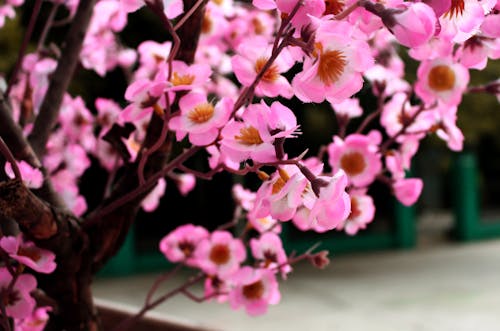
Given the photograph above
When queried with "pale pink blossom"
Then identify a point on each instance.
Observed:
(265, 224)
(308, 9)
(407, 190)
(280, 195)
(152, 200)
(185, 183)
(268, 251)
(335, 68)
(358, 156)
(253, 137)
(221, 254)
(362, 213)
(255, 290)
(441, 79)
(180, 244)
(200, 119)
(348, 108)
(413, 25)
(249, 61)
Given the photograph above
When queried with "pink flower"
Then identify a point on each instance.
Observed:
(475, 51)
(358, 156)
(187, 77)
(249, 62)
(407, 191)
(185, 183)
(335, 68)
(443, 80)
(221, 254)
(362, 213)
(326, 204)
(181, 244)
(308, 9)
(144, 95)
(35, 322)
(18, 303)
(268, 250)
(152, 200)
(398, 113)
(414, 25)
(464, 17)
(255, 289)
(280, 195)
(254, 136)
(265, 224)
(348, 108)
(243, 197)
(200, 119)
(32, 177)
(25, 252)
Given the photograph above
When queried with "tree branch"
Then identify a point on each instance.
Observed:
(61, 78)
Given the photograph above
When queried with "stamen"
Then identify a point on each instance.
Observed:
(456, 9)
(249, 136)
(353, 163)
(334, 7)
(441, 78)
(220, 254)
(201, 113)
(271, 74)
(177, 79)
(253, 291)
(331, 66)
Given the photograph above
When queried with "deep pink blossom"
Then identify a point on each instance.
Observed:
(18, 303)
(358, 156)
(255, 290)
(180, 245)
(220, 254)
(25, 252)
(408, 190)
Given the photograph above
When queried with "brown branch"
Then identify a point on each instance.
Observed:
(61, 77)
(24, 45)
(32, 214)
(13, 136)
(108, 225)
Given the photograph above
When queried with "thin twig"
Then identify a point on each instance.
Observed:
(24, 45)
(188, 14)
(4, 149)
(60, 79)
(47, 25)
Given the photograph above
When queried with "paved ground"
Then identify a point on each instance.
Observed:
(443, 287)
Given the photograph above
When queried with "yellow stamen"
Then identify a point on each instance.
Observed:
(177, 79)
(249, 136)
(201, 113)
(271, 74)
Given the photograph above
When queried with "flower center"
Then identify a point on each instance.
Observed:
(271, 73)
(281, 181)
(253, 291)
(201, 113)
(353, 163)
(441, 78)
(456, 8)
(30, 252)
(220, 254)
(249, 136)
(331, 65)
(258, 27)
(177, 79)
(333, 7)
(186, 248)
(218, 2)
(206, 24)
(355, 210)
(269, 257)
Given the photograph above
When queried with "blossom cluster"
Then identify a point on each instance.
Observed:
(230, 102)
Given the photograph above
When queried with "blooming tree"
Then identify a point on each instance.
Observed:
(215, 87)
